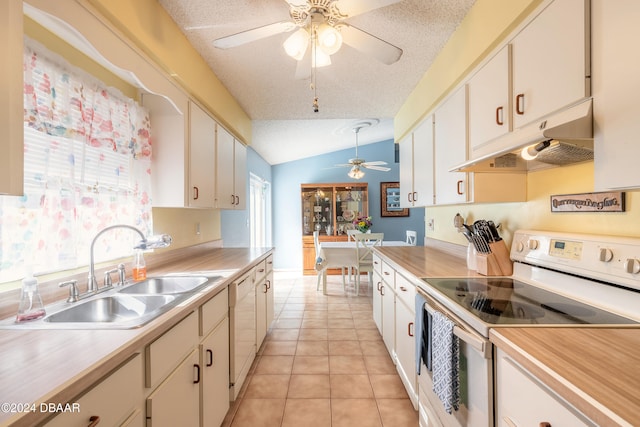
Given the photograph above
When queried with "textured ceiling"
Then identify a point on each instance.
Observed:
(353, 88)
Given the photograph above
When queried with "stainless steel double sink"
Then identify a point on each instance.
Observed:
(126, 307)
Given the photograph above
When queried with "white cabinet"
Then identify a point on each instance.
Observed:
(115, 400)
(551, 61)
(264, 299)
(451, 149)
(490, 101)
(202, 157)
(384, 309)
(11, 108)
(242, 330)
(214, 362)
(405, 349)
(522, 400)
(416, 166)
(231, 171)
(176, 401)
(616, 83)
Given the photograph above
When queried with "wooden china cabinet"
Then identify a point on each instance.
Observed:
(330, 209)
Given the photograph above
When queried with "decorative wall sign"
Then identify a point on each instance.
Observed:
(606, 201)
(390, 200)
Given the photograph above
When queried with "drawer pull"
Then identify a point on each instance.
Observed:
(386, 273)
(403, 289)
(94, 420)
(209, 357)
(197, 372)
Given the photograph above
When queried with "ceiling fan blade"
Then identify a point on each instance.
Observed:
(376, 163)
(357, 7)
(377, 168)
(254, 34)
(369, 44)
(343, 165)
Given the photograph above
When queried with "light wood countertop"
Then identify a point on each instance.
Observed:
(595, 369)
(54, 366)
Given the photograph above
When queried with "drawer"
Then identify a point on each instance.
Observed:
(114, 399)
(377, 263)
(406, 291)
(213, 311)
(388, 274)
(269, 263)
(260, 269)
(164, 354)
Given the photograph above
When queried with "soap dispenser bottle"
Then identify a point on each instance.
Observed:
(139, 266)
(31, 306)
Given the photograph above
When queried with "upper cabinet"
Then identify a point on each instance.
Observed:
(202, 158)
(416, 166)
(544, 68)
(231, 171)
(551, 61)
(616, 84)
(451, 149)
(11, 108)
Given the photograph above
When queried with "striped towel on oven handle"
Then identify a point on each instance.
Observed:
(446, 362)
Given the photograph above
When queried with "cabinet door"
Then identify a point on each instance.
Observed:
(202, 133)
(489, 103)
(225, 198)
(215, 375)
(11, 109)
(423, 173)
(388, 317)
(522, 400)
(451, 149)
(240, 175)
(550, 61)
(406, 171)
(615, 91)
(261, 311)
(270, 299)
(377, 300)
(176, 401)
(405, 348)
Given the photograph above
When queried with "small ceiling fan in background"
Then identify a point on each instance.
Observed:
(357, 164)
(321, 25)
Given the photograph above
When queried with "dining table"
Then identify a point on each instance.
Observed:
(344, 254)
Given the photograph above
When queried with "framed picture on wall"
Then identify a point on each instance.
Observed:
(390, 200)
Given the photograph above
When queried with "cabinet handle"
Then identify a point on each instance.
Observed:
(545, 424)
(386, 273)
(499, 116)
(268, 284)
(209, 357)
(403, 289)
(196, 193)
(520, 104)
(409, 327)
(197, 371)
(409, 197)
(382, 290)
(266, 288)
(379, 285)
(233, 200)
(237, 200)
(459, 187)
(261, 270)
(415, 196)
(94, 420)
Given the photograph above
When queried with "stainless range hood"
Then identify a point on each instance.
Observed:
(561, 138)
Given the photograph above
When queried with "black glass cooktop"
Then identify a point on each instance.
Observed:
(500, 300)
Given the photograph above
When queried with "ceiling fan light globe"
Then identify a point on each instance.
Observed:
(355, 173)
(320, 59)
(329, 39)
(296, 44)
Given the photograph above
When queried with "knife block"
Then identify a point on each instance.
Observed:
(496, 263)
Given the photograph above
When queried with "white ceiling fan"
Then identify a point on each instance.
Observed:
(357, 164)
(321, 24)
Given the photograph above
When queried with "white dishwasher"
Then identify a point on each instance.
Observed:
(242, 331)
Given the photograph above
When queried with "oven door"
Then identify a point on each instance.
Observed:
(476, 380)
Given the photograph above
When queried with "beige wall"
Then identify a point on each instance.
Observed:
(485, 27)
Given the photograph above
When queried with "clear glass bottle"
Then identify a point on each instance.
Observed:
(31, 307)
(139, 266)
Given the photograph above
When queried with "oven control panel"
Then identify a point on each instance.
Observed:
(612, 259)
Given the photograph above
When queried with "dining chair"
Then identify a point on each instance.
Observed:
(412, 236)
(365, 242)
(322, 264)
(351, 233)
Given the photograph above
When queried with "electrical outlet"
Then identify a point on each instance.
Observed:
(431, 224)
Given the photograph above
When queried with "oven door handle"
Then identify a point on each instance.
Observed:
(474, 340)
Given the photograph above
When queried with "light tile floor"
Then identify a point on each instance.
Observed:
(322, 364)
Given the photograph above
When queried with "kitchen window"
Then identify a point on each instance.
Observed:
(87, 166)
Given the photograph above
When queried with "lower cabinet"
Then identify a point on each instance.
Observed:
(114, 401)
(405, 349)
(523, 400)
(214, 387)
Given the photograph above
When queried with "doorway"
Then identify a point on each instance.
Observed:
(259, 211)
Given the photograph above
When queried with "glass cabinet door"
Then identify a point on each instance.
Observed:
(317, 210)
(351, 203)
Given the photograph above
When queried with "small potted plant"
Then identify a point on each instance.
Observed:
(363, 224)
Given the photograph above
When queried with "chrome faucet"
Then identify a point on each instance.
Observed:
(153, 242)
